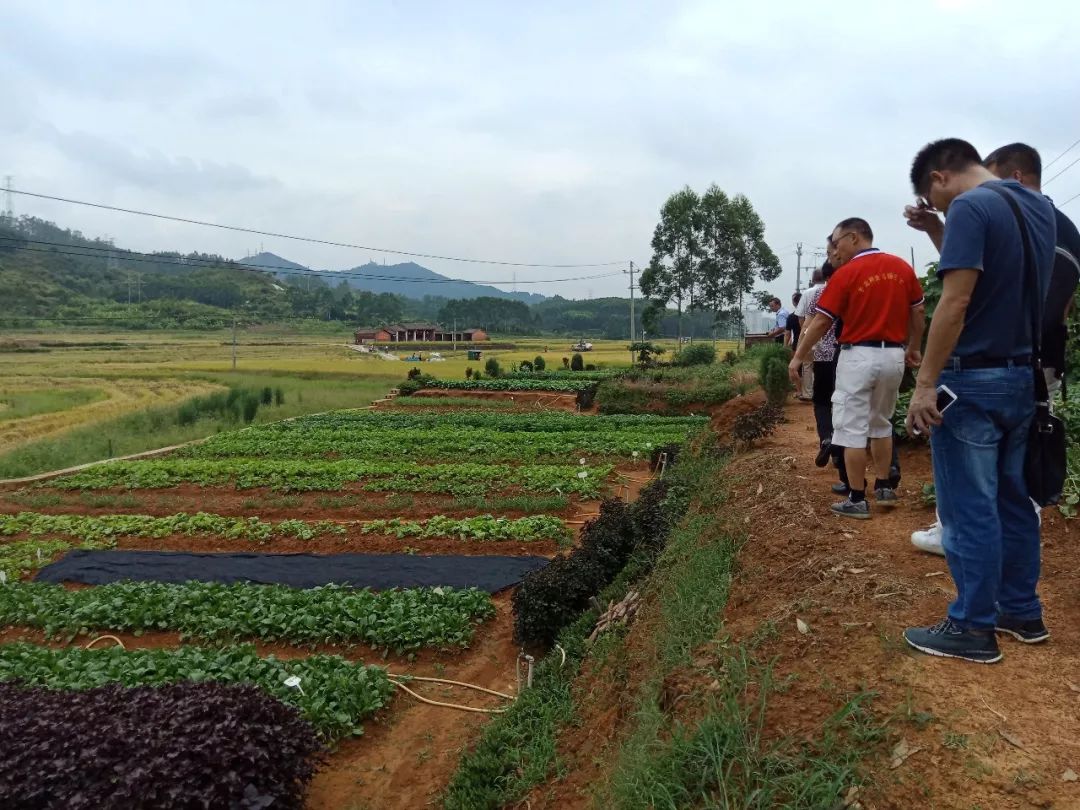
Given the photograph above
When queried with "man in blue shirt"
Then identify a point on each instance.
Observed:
(777, 308)
(980, 345)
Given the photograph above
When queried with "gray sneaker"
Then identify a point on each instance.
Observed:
(847, 508)
(886, 496)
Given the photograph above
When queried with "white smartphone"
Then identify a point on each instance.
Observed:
(945, 399)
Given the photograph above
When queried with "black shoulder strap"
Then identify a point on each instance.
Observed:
(1031, 287)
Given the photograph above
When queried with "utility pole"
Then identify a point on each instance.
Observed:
(234, 344)
(798, 267)
(9, 206)
(453, 335)
(632, 322)
(913, 259)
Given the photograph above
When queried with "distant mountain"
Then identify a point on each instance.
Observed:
(409, 279)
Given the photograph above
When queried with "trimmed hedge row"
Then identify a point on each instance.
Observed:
(555, 596)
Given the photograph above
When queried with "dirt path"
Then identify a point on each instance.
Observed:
(1000, 736)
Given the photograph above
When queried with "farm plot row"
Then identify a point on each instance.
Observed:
(297, 475)
(103, 528)
(562, 386)
(437, 443)
(397, 620)
(502, 422)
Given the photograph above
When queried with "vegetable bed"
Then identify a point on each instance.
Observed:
(184, 745)
(400, 620)
(102, 530)
(334, 694)
(296, 476)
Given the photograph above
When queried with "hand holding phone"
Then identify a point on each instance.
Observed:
(945, 399)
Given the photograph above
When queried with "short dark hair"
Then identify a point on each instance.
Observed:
(857, 224)
(776, 300)
(827, 271)
(796, 297)
(946, 155)
(1016, 157)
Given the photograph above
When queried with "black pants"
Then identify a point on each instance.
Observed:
(824, 385)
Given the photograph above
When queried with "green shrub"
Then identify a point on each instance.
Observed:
(249, 406)
(409, 387)
(492, 367)
(279, 396)
(776, 382)
(764, 353)
(267, 397)
(577, 363)
(538, 363)
(468, 373)
(566, 362)
(525, 366)
(695, 354)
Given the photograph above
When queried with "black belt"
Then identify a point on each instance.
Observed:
(876, 344)
(981, 361)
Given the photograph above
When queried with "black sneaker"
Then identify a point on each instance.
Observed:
(823, 454)
(840, 488)
(894, 476)
(1029, 631)
(948, 640)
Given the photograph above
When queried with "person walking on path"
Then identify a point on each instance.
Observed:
(997, 255)
(777, 308)
(825, 355)
(793, 326)
(880, 302)
(1020, 162)
(802, 312)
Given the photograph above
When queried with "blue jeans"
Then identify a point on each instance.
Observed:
(990, 528)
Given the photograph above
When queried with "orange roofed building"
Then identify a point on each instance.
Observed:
(417, 333)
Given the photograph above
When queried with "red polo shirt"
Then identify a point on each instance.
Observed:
(873, 294)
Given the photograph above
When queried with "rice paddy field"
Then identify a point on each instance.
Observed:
(80, 396)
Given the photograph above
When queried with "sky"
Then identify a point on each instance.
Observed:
(538, 133)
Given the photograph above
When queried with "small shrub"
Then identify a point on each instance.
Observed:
(731, 358)
(267, 395)
(757, 424)
(249, 406)
(409, 387)
(279, 396)
(577, 363)
(566, 362)
(468, 373)
(525, 366)
(414, 372)
(590, 367)
(538, 363)
(695, 354)
(776, 382)
(492, 368)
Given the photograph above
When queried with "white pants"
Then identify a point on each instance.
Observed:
(867, 384)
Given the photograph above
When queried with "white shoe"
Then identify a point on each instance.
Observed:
(929, 540)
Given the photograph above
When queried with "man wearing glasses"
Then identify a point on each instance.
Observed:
(981, 346)
(880, 302)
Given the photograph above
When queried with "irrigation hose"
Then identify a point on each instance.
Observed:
(423, 699)
(453, 683)
(102, 638)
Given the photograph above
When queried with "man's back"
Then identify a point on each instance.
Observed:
(873, 294)
(981, 234)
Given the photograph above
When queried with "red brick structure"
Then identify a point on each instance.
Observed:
(418, 333)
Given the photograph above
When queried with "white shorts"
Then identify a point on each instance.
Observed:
(867, 383)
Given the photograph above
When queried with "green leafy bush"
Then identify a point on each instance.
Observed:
(492, 367)
(577, 363)
(695, 354)
(538, 363)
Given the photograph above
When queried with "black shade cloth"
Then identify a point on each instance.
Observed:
(375, 571)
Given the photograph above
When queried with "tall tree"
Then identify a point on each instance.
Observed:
(676, 243)
(734, 251)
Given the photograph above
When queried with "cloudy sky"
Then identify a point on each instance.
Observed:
(546, 132)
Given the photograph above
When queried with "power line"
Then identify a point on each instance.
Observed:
(1052, 179)
(276, 235)
(198, 262)
(1073, 197)
(1059, 157)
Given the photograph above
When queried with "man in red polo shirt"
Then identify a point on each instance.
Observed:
(880, 302)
